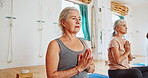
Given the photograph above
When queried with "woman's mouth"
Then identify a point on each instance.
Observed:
(77, 26)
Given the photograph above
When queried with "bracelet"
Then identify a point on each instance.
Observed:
(77, 69)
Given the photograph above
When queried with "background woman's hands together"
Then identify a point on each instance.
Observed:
(127, 46)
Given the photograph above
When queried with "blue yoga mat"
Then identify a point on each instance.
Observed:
(95, 75)
(140, 64)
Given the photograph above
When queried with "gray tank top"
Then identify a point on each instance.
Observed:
(68, 58)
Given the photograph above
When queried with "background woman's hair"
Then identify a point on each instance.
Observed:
(64, 14)
(117, 24)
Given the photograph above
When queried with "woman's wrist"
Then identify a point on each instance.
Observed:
(126, 54)
(77, 69)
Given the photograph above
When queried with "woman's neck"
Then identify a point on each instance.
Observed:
(119, 35)
(69, 36)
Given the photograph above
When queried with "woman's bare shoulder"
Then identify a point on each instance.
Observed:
(53, 42)
(53, 46)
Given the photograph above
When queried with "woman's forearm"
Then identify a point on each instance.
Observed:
(122, 57)
(63, 74)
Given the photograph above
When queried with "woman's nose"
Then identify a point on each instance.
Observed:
(78, 21)
(126, 27)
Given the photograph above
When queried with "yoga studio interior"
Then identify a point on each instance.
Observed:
(28, 26)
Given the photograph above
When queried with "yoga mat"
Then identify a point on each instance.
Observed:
(140, 64)
(95, 75)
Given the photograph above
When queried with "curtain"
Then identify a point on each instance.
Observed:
(84, 20)
(121, 17)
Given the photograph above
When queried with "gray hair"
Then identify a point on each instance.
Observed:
(64, 14)
(117, 24)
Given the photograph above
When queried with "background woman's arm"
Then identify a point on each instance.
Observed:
(116, 55)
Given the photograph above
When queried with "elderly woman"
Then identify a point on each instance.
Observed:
(119, 55)
(69, 56)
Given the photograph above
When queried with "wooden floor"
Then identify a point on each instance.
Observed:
(39, 71)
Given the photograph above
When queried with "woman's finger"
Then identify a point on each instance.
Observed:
(90, 55)
(90, 60)
(80, 57)
(86, 53)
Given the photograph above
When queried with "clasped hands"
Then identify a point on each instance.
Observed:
(84, 60)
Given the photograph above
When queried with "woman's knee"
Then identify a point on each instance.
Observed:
(127, 73)
(136, 73)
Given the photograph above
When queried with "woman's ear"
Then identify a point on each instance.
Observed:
(63, 23)
(116, 28)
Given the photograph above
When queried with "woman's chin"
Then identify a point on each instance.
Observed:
(76, 32)
(124, 32)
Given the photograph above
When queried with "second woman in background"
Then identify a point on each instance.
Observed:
(119, 55)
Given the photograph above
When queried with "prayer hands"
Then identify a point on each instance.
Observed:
(127, 46)
(84, 60)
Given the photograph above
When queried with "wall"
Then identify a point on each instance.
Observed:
(25, 31)
(103, 28)
(106, 27)
(140, 28)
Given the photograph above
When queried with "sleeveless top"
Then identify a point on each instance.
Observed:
(69, 59)
(112, 64)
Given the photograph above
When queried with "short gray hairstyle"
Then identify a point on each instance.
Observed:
(117, 24)
(64, 14)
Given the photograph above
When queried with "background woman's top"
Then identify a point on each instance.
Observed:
(115, 42)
